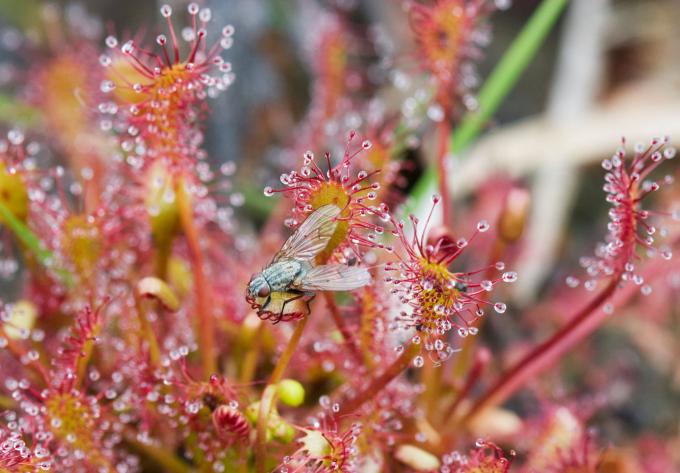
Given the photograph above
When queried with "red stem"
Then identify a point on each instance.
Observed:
(542, 357)
(206, 323)
(380, 382)
(342, 326)
(482, 358)
(444, 132)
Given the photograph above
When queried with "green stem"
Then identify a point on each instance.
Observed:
(269, 396)
(31, 241)
(148, 333)
(503, 78)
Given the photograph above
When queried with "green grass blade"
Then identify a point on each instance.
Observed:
(17, 113)
(33, 243)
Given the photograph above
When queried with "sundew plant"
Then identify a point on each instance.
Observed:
(339, 236)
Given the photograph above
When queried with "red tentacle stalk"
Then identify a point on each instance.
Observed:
(342, 327)
(379, 382)
(585, 322)
(444, 131)
(482, 358)
(206, 323)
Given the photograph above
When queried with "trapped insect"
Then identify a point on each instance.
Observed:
(291, 279)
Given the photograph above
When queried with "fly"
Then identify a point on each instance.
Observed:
(292, 278)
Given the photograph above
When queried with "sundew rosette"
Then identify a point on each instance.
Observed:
(629, 181)
(449, 35)
(158, 95)
(352, 191)
(438, 298)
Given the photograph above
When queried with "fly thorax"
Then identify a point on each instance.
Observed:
(281, 274)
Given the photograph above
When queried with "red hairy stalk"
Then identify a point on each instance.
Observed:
(342, 326)
(481, 361)
(585, 322)
(206, 323)
(380, 381)
(444, 132)
(626, 186)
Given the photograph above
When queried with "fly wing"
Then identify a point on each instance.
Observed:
(311, 236)
(334, 277)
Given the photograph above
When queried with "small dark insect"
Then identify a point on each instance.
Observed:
(292, 275)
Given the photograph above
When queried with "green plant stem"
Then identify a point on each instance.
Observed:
(249, 363)
(162, 257)
(34, 245)
(503, 78)
(147, 333)
(268, 399)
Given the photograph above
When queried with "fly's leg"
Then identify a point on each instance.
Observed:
(283, 308)
(266, 303)
(311, 295)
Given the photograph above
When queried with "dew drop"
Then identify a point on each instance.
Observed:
(572, 282)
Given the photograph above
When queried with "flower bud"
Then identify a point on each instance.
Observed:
(249, 328)
(514, 215)
(157, 289)
(290, 392)
(277, 428)
(282, 430)
(252, 412)
(230, 422)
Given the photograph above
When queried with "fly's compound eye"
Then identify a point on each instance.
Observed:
(263, 292)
